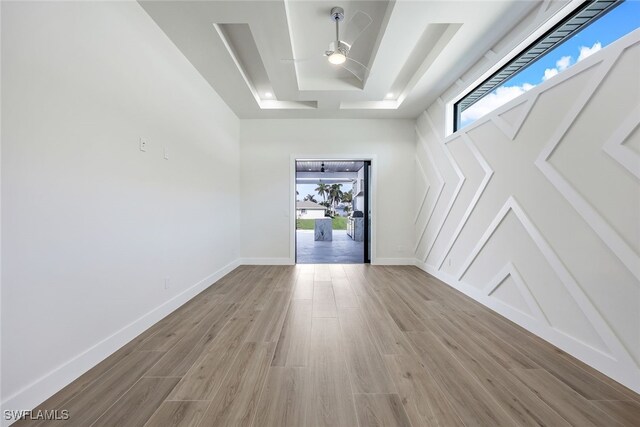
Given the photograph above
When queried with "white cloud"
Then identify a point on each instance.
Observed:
(563, 63)
(548, 73)
(586, 51)
(495, 99)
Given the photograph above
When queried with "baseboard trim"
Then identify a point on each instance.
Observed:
(267, 261)
(43, 388)
(393, 261)
(592, 357)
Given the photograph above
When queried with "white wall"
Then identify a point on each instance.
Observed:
(91, 226)
(359, 200)
(534, 210)
(266, 149)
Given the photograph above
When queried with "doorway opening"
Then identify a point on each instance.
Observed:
(332, 211)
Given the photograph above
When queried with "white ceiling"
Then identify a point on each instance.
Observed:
(311, 32)
(414, 49)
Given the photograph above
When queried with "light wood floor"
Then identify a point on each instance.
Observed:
(340, 345)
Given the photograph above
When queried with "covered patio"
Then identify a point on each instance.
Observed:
(341, 250)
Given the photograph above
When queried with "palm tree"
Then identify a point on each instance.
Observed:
(310, 198)
(323, 191)
(335, 195)
(327, 205)
(347, 197)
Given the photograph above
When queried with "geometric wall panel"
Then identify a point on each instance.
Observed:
(513, 116)
(497, 265)
(458, 186)
(623, 154)
(559, 303)
(585, 209)
(488, 173)
(421, 195)
(428, 214)
(512, 120)
(581, 155)
(508, 292)
(632, 141)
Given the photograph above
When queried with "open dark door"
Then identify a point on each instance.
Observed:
(367, 211)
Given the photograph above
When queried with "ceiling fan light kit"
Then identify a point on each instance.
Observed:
(337, 55)
(337, 58)
(339, 49)
(338, 52)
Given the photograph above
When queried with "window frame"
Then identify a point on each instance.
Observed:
(584, 8)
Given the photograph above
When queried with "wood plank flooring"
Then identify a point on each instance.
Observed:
(340, 345)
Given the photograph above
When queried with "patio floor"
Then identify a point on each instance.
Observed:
(341, 250)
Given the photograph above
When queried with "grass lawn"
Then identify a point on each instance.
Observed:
(339, 223)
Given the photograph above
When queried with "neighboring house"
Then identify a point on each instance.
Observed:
(309, 210)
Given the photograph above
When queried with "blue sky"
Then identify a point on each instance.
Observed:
(620, 21)
(305, 189)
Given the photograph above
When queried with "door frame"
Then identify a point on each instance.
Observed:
(373, 185)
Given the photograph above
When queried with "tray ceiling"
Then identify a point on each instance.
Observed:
(265, 58)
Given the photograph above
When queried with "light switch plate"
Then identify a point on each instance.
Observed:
(143, 144)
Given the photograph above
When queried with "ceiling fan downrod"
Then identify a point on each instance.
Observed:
(338, 51)
(337, 15)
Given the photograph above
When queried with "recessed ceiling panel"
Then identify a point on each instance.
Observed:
(431, 44)
(312, 31)
(243, 47)
(411, 48)
(243, 50)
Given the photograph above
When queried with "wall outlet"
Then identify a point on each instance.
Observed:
(166, 153)
(167, 282)
(143, 144)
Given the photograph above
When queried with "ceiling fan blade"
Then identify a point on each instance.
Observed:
(355, 27)
(356, 68)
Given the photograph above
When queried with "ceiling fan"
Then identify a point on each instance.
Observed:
(338, 52)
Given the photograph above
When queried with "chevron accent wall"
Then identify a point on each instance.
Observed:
(534, 210)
